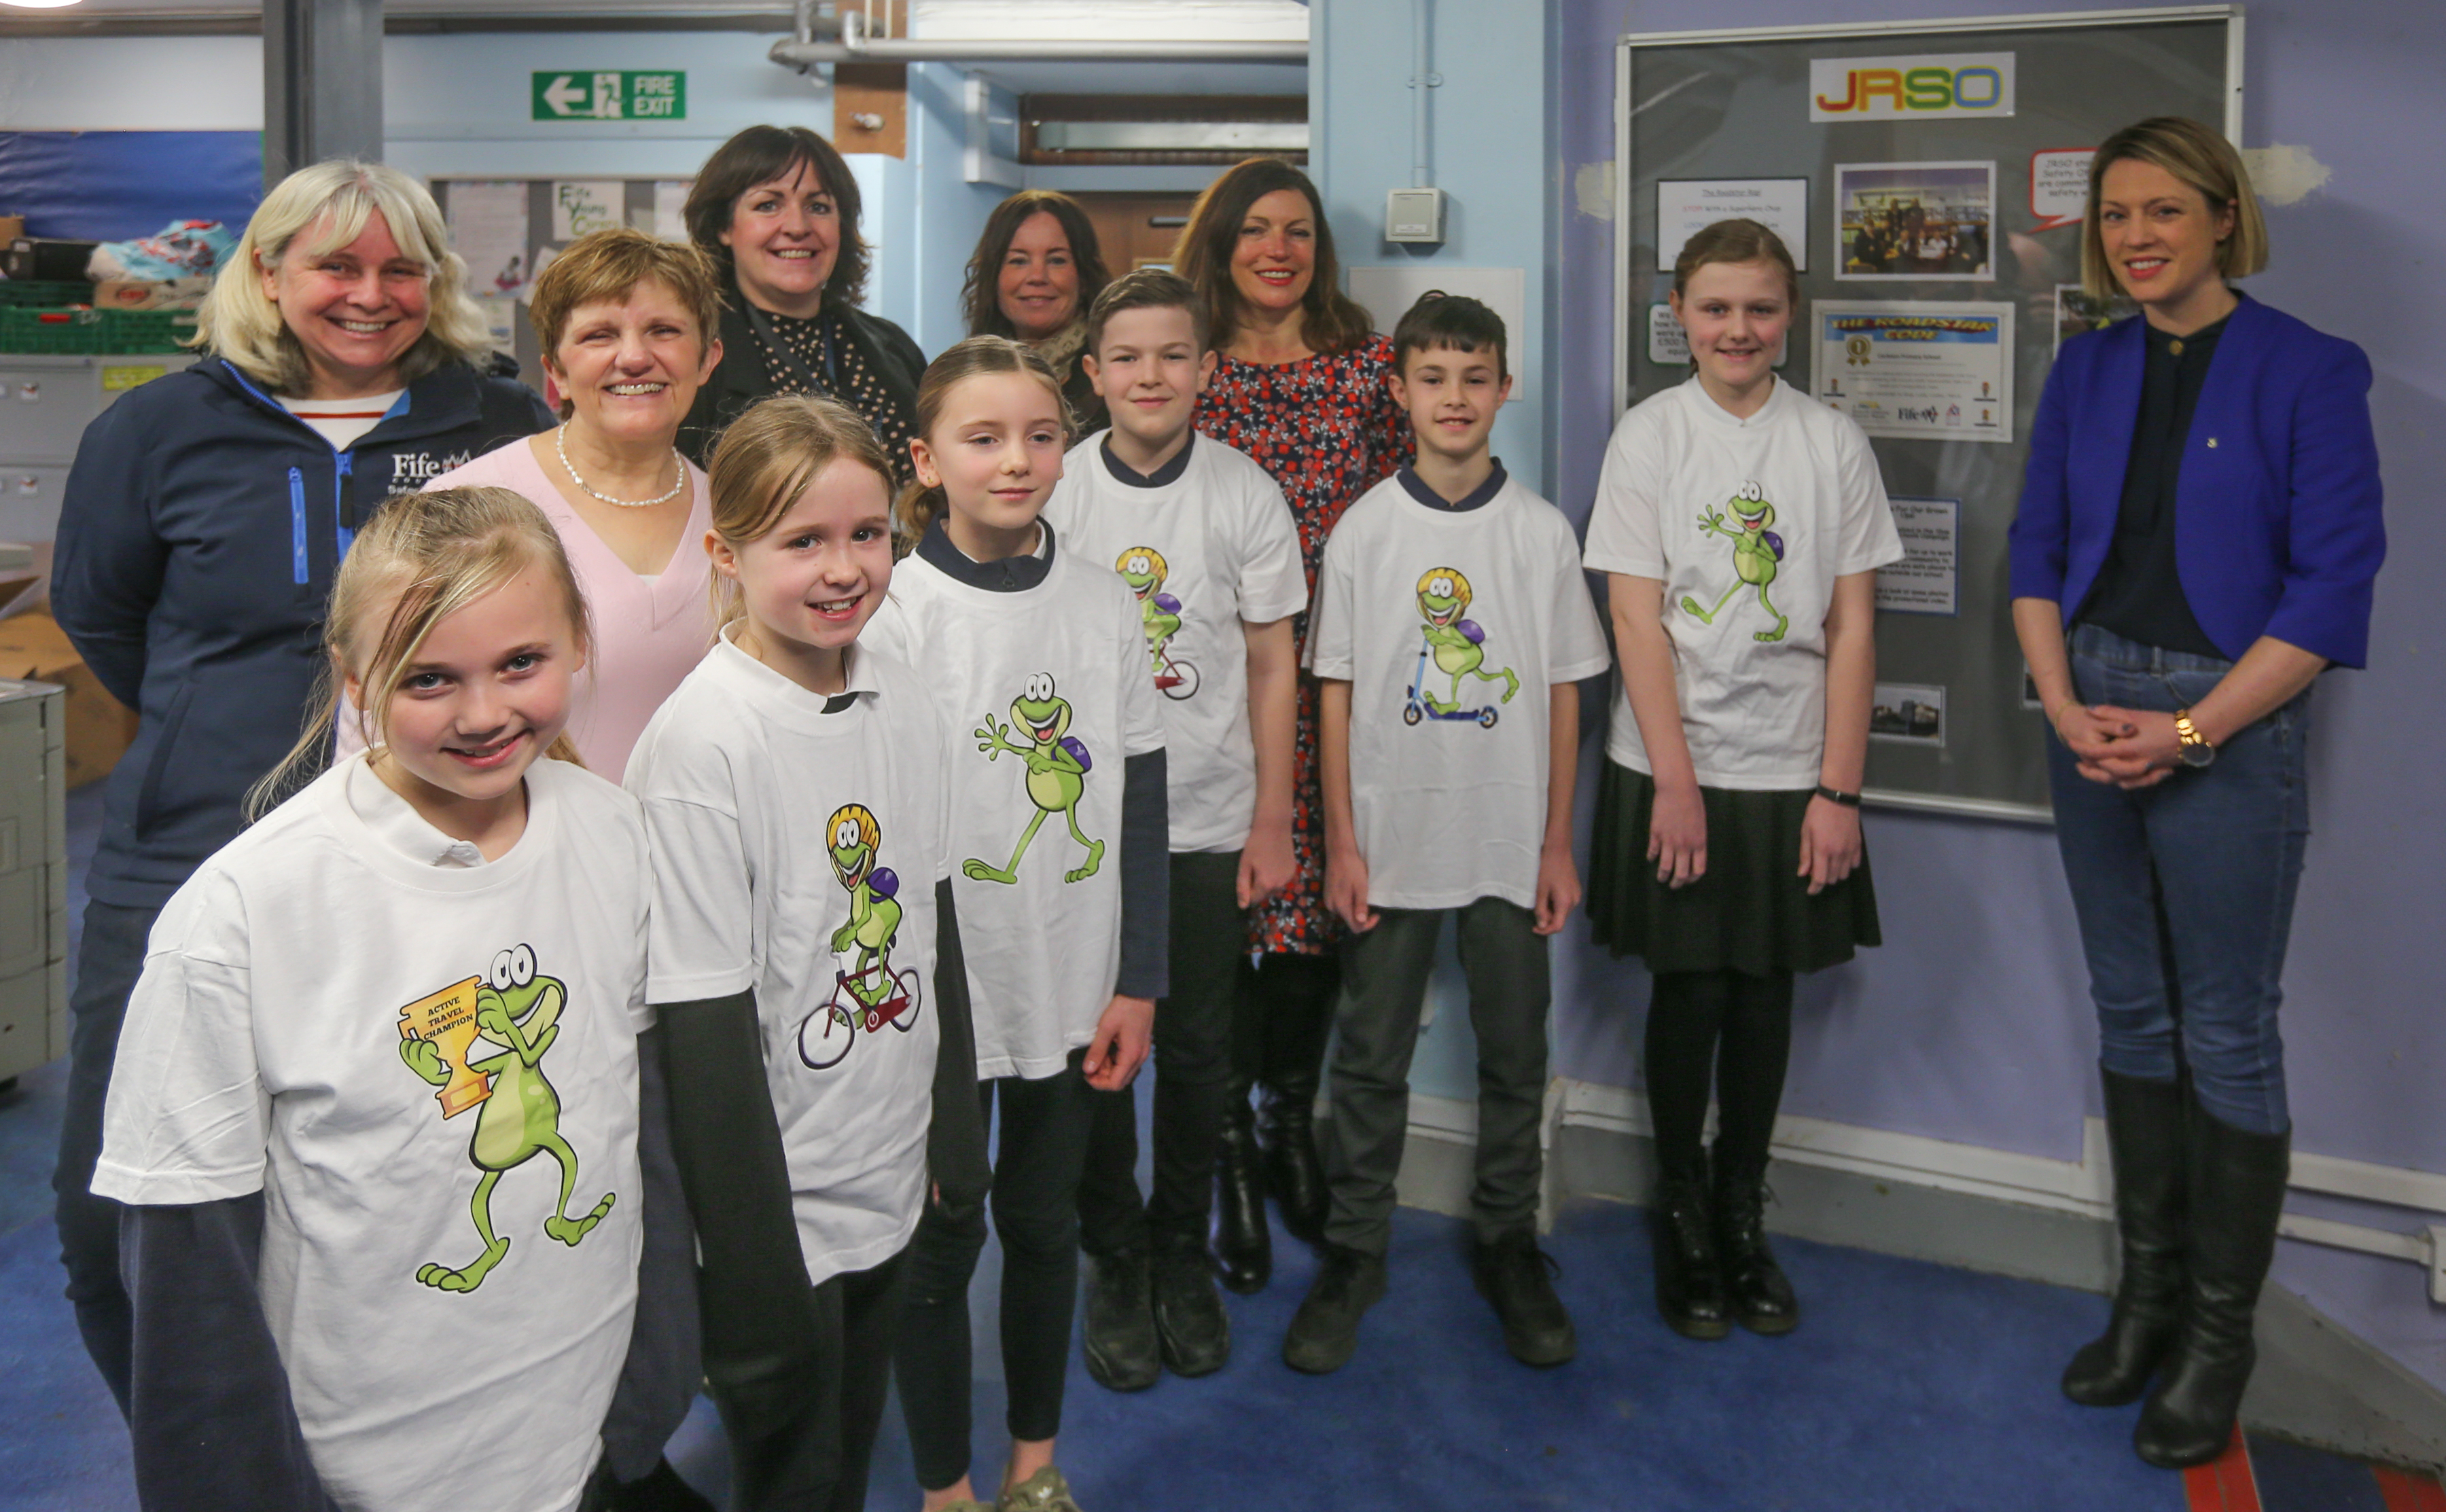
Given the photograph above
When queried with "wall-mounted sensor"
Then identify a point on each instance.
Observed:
(1415, 215)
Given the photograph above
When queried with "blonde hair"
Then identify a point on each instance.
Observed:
(426, 555)
(977, 356)
(605, 266)
(239, 324)
(2200, 159)
(766, 460)
(1736, 241)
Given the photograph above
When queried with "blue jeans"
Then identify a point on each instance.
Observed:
(2185, 891)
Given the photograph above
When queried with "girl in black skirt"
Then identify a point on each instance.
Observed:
(1740, 526)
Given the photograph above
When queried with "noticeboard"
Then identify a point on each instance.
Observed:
(1937, 172)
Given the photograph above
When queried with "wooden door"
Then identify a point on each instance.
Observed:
(1136, 229)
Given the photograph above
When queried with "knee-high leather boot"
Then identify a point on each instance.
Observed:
(1294, 1170)
(2145, 1121)
(2237, 1195)
(1244, 1249)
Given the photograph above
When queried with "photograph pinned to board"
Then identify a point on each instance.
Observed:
(1668, 345)
(1907, 713)
(580, 205)
(1918, 369)
(1684, 206)
(1927, 579)
(2079, 313)
(1922, 221)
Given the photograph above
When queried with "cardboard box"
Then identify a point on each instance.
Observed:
(11, 227)
(99, 727)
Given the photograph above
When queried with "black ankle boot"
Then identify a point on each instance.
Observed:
(1287, 1126)
(2144, 1138)
(1689, 1283)
(1244, 1247)
(2237, 1194)
(1756, 1291)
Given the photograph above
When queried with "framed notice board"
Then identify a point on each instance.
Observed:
(1930, 178)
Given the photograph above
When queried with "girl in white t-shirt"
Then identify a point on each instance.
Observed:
(1740, 526)
(376, 1105)
(1054, 740)
(797, 799)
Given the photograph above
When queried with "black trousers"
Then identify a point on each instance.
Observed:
(1038, 1149)
(1193, 1076)
(774, 1470)
(109, 959)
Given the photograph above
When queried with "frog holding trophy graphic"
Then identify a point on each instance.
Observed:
(508, 1018)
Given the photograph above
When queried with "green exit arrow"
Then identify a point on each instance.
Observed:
(564, 96)
(608, 94)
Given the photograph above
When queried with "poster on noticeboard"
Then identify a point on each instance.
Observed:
(1917, 370)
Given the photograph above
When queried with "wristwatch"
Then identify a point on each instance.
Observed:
(2196, 751)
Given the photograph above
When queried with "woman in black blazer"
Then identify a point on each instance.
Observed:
(778, 210)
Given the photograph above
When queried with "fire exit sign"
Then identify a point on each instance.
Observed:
(610, 95)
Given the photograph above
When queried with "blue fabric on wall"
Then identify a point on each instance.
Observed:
(118, 185)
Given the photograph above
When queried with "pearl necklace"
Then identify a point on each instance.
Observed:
(560, 443)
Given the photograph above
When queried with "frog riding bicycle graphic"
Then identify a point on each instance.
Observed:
(1144, 569)
(868, 994)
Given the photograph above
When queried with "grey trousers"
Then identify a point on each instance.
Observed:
(1376, 1025)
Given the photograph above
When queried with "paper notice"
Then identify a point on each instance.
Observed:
(488, 227)
(671, 207)
(1927, 579)
(580, 205)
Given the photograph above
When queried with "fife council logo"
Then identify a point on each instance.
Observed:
(413, 469)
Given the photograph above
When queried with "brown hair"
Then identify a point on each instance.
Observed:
(1333, 323)
(759, 155)
(981, 295)
(1736, 241)
(977, 356)
(606, 267)
(2200, 159)
(428, 555)
(766, 460)
(1146, 289)
(1455, 322)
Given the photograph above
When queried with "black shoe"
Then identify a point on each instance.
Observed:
(2237, 1195)
(1120, 1343)
(1689, 1284)
(2144, 1138)
(661, 1490)
(1516, 1277)
(1755, 1289)
(1244, 1246)
(1294, 1173)
(1189, 1318)
(1324, 1332)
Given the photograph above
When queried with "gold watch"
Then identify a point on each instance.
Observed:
(2195, 749)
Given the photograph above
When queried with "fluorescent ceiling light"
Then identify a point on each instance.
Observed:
(38, 5)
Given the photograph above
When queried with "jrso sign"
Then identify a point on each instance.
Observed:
(1925, 88)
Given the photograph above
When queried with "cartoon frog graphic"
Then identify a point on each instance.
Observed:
(1144, 569)
(1057, 764)
(515, 1020)
(1756, 551)
(1458, 644)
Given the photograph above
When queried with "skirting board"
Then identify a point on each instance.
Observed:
(1983, 1210)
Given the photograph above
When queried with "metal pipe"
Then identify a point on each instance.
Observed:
(1422, 21)
(855, 47)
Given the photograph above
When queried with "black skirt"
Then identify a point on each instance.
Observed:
(1752, 912)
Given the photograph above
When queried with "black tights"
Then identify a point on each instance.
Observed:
(1281, 1018)
(1691, 1013)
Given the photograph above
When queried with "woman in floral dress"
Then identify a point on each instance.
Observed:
(1301, 386)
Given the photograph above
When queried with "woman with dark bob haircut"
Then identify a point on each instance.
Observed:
(1036, 270)
(777, 209)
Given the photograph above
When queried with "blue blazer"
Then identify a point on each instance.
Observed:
(2277, 525)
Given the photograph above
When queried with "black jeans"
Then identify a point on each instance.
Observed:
(1038, 1149)
(109, 959)
(775, 1470)
(1193, 1076)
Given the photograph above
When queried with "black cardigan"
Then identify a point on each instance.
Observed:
(741, 380)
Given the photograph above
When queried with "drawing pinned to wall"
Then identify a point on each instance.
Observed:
(1914, 220)
(1907, 713)
(1917, 370)
(1686, 206)
(580, 205)
(2059, 186)
(1927, 579)
(488, 227)
(2077, 313)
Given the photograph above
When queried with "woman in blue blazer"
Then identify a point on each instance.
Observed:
(2197, 536)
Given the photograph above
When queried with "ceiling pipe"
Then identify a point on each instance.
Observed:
(855, 46)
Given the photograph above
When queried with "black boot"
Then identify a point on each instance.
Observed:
(2144, 1138)
(1117, 1325)
(1294, 1175)
(1689, 1282)
(2237, 1194)
(1244, 1247)
(1756, 1291)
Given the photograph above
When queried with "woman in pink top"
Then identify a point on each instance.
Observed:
(625, 323)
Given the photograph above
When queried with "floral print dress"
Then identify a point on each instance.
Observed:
(1327, 429)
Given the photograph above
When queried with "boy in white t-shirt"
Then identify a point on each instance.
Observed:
(1451, 626)
(1202, 537)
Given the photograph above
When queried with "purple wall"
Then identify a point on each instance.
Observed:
(1972, 1023)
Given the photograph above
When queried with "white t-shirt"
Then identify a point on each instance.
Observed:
(1043, 950)
(265, 1049)
(1452, 626)
(1201, 555)
(747, 785)
(343, 421)
(1733, 515)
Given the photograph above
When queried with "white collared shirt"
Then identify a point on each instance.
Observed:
(395, 822)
